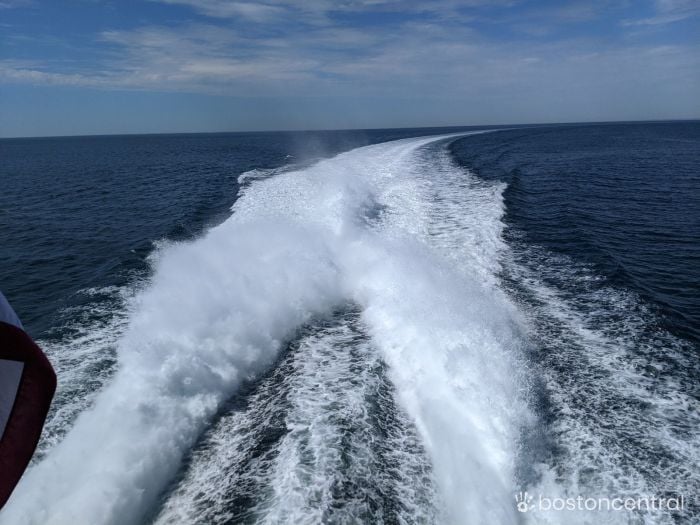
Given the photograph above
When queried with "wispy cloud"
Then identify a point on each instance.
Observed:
(13, 4)
(255, 11)
(265, 51)
(321, 11)
(668, 11)
(412, 59)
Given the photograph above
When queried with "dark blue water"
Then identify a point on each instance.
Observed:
(625, 198)
(600, 258)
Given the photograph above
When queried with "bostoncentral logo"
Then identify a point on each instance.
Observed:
(523, 502)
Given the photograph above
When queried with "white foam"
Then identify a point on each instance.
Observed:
(307, 442)
(248, 177)
(625, 422)
(84, 357)
(360, 226)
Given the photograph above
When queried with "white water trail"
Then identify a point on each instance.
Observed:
(302, 444)
(358, 227)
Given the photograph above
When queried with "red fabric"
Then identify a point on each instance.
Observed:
(34, 394)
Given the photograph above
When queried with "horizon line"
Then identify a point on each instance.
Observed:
(331, 130)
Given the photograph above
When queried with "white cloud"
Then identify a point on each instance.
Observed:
(13, 4)
(412, 60)
(430, 59)
(320, 12)
(255, 11)
(668, 11)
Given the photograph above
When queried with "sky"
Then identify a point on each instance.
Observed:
(76, 67)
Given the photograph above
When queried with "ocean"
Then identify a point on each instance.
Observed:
(380, 326)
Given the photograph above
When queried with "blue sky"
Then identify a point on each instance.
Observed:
(107, 66)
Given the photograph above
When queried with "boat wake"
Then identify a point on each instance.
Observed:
(338, 349)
